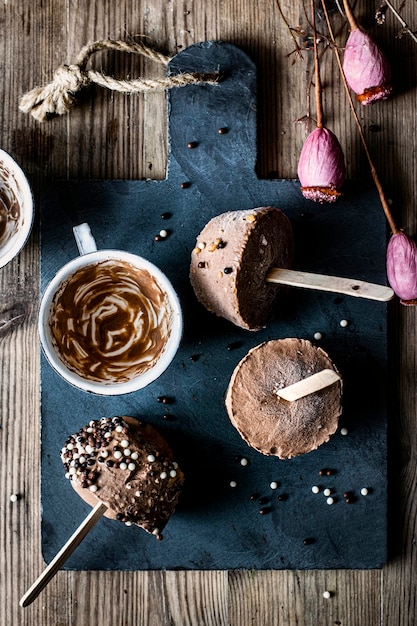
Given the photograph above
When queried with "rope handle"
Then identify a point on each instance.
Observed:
(59, 96)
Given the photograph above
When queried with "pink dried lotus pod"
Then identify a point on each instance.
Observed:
(321, 167)
(366, 68)
(402, 267)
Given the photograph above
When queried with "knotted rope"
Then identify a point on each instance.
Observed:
(59, 96)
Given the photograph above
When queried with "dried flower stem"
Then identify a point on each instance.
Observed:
(375, 177)
(317, 84)
(405, 26)
(349, 15)
(297, 47)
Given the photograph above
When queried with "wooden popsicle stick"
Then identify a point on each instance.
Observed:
(322, 282)
(65, 552)
(308, 385)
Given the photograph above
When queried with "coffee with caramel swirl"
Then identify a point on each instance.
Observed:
(110, 321)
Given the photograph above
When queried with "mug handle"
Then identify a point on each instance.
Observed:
(84, 239)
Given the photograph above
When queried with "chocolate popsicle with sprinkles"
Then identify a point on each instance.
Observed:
(126, 471)
(242, 259)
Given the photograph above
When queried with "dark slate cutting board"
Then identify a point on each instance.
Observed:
(217, 526)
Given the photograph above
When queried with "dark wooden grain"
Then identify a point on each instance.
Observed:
(109, 135)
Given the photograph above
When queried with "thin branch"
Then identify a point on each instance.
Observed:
(297, 46)
(317, 85)
(404, 25)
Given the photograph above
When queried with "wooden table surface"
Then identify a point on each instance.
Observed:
(109, 135)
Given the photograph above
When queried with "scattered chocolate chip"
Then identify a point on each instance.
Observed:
(223, 131)
(221, 244)
(308, 541)
(202, 264)
(192, 144)
(165, 399)
(265, 510)
(228, 270)
(185, 185)
(234, 345)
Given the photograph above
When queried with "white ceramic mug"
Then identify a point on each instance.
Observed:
(16, 208)
(110, 322)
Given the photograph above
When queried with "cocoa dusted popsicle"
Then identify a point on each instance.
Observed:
(285, 397)
(242, 258)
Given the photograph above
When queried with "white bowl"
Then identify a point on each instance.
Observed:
(14, 182)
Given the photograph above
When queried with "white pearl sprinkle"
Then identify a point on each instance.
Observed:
(124, 443)
(89, 430)
(163, 475)
(134, 456)
(13, 497)
(81, 449)
(104, 454)
(138, 494)
(70, 446)
(244, 462)
(201, 245)
(364, 491)
(123, 466)
(131, 466)
(67, 475)
(233, 483)
(127, 452)
(89, 449)
(163, 233)
(274, 485)
(82, 459)
(118, 454)
(330, 500)
(151, 458)
(318, 336)
(344, 323)
(173, 473)
(344, 431)
(108, 435)
(75, 456)
(327, 594)
(175, 465)
(128, 523)
(93, 488)
(327, 492)
(72, 471)
(119, 429)
(315, 489)
(155, 531)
